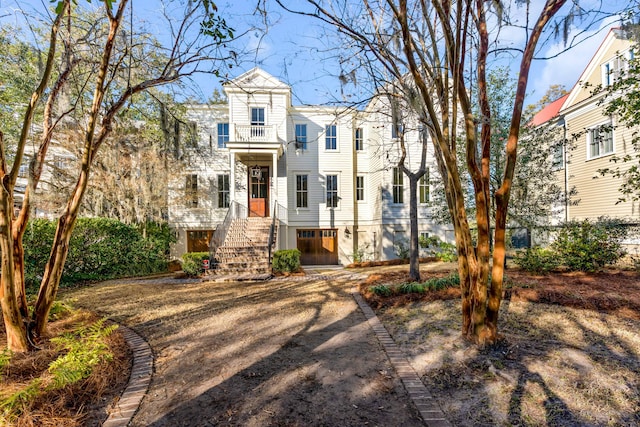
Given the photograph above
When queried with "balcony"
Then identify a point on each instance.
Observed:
(253, 133)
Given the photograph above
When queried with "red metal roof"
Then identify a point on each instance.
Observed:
(548, 112)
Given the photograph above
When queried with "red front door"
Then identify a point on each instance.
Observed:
(259, 191)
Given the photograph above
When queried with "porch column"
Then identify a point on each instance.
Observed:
(274, 166)
(232, 176)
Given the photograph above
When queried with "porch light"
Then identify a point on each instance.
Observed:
(256, 172)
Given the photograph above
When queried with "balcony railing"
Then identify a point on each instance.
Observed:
(253, 133)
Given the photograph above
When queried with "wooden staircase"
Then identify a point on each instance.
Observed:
(245, 250)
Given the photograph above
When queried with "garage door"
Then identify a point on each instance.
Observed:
(318, 246)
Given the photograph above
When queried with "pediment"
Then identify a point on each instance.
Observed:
(256, 78)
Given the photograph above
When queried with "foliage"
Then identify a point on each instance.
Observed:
(360, 255)
(192, 263)
(427, 242)
(537, 260)
(5, 358)
(381, 290)
(590, 245)
(286, 260)
(433, 284)
(96, 250)
(447, 252)
(626, 109)
(85, 348)
(402, 250)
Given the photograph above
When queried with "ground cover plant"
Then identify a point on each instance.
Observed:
(70, 379)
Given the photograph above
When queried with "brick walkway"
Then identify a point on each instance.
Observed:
(139, 380)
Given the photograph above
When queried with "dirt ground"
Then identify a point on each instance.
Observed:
(570, 354)
(296, 351)
(288, 352)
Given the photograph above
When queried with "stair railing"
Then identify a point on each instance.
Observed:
(236, 211)
(278, 211)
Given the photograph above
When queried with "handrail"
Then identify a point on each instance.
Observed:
(236, 210)
(274, 217)
(272, 230)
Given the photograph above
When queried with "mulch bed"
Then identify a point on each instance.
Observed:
(609, 291)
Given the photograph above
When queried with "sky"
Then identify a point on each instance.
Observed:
(296, 49)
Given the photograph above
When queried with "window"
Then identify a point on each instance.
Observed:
(398, 188)
(331, 138)
(223, 135)
(332, 191)
(423, 187)
(396, 130)
(424, 235)
(257, 122)
(359, 139)
(193, 134)
(302, 191)
(359, 188)
(557, 156)
(257, 117)
(301, 137)
(223, 191)
(191, 191)
(600, 141)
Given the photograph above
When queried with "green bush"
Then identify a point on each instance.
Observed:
(447, 252)
(537, 260)
(100, 248)
(381, 290)
(589, 246)
(192, 263)
(413, 287)
(286, 260)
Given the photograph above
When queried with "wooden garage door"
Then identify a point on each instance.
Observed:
(318, 246)
(198, 240)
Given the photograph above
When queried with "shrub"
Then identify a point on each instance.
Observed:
(402, 250)
(447, 252)
(438, 283)
(537, 260)
(286, 260)
(100, 248)
(589, 246)
(413, 287)
(192, 263)
(381, 290)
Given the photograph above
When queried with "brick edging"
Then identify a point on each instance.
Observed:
(429, 409)
(139, 380)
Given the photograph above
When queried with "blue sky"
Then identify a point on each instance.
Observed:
(296, 50)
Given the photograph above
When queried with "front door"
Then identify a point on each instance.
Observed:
(259, 191)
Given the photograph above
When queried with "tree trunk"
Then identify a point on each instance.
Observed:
(414, 248)
(14, 327)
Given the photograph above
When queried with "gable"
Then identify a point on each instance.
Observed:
(253, 79)
(613, 46)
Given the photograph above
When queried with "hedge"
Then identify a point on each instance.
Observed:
(100, 248)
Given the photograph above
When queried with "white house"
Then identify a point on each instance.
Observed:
(327, 174)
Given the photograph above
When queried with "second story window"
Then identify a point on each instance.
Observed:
(396, 130)
(302, 191)
(332, 191)
(331, 138)
(398, 186)
(191, 191)
(301, 137)
(223, 191)
(359, 188)
(423, 187)
(223, 135)
(600, 141)
(359, 137)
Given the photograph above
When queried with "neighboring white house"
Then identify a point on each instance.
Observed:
(327, 173)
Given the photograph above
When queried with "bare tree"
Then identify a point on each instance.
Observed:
(103, 85)
(437, 51)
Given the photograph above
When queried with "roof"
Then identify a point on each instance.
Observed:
(548, 112)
